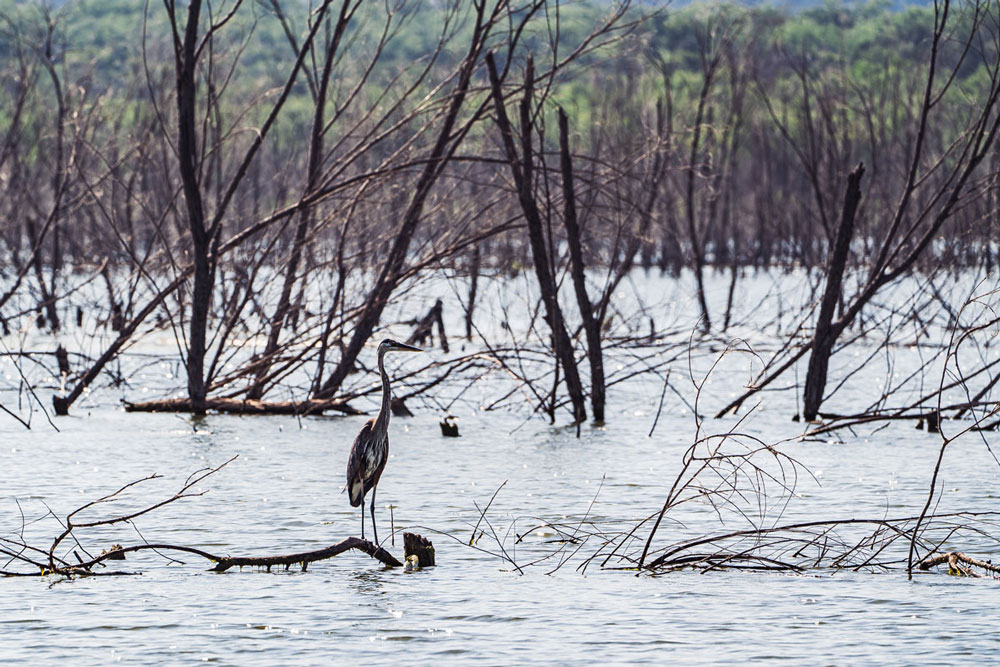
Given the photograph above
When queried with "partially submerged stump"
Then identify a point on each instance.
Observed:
(62, 359)
(417, 550)
(425, 328)
(398, 408)
(449, 428)
(934, 422)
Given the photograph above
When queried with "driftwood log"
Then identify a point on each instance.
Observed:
(247, 407)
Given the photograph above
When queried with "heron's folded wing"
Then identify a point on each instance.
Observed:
(356, 472)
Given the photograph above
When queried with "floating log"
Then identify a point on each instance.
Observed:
(304, 558)
(246, 407)
(418, 551)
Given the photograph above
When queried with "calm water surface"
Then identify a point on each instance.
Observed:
(283, 494)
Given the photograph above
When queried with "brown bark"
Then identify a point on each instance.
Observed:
(187, 156)
(419, 549)
(306, 557)
(245, 407)
(694, 236)
(591, 325)
(424, 329)
(314, 170)
(470, 307)
(825, 335)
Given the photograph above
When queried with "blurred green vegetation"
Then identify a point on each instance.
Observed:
(104, 38)
(109, 47)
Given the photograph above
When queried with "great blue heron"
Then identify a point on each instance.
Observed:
(371, 448)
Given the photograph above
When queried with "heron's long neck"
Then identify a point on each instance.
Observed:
(384, 412)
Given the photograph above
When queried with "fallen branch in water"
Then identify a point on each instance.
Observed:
(38, 561)
(222, 563)
(953, 558)
(376, 552)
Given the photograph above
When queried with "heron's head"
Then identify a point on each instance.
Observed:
(390, 345)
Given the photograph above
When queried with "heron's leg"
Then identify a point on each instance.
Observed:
(374, 526)
(362, 517)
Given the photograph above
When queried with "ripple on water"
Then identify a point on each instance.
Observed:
(466, 609)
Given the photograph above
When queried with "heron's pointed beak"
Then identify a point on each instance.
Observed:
(407, 348)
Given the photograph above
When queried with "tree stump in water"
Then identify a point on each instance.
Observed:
(418, 551)
(934, 422)
(62, 358)
(425, 328)
(449, 428)
(398, 408)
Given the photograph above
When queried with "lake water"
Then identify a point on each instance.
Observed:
(283, 494)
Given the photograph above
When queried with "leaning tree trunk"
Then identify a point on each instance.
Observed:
(521, 170)
(826, 334)
(444, 147)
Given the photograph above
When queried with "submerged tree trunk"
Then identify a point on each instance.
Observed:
(826, 334)
(473, 288)
(591, 325)
(187, 155)
(694, 237)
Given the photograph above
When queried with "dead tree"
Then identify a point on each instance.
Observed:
(424, 327)
(205, 232)
(824, 336)
(591, 323)
(314, 172)
(470, 306)
(448, 138)
(522, 171)
(694, 236)
(186, 64)
(936, 187)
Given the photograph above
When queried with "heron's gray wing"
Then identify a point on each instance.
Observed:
(356, 472)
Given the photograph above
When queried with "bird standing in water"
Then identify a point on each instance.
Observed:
(371, 448)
